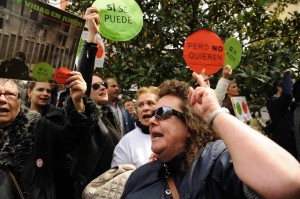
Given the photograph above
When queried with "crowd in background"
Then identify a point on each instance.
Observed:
(181, 141)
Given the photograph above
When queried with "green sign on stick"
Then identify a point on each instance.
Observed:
(233, 50)
(121, 20)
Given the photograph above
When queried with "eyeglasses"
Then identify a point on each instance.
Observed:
(166, 112)
(97, 85)
(11, 95)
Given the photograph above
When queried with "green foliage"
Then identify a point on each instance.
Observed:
(269, 45)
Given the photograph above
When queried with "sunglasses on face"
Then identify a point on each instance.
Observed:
(97, 85)
(166, 112)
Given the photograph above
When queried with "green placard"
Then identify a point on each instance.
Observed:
(233, 50)
(121, 20)
(42, 71)
(239, 108)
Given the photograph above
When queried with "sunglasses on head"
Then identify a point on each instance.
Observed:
(97, 85)
(166, 112)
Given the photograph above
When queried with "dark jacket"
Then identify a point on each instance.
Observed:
(94, 154)
(282, 117)
(210, 176)
(55, 114)
(128, 123)
(28, 148)
(86, 65)
(63, 180)
(63, 96)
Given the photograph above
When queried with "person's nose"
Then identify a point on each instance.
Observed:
(102, 88)
(45, 92)
(146, 108)
(2, 98)
(153, 121)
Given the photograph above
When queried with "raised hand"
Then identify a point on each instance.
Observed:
(227, 71)
(78, 88)
(203, 99)
(92, 20)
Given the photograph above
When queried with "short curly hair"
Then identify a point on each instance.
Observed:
(200, 134)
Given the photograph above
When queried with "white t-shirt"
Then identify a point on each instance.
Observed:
(134, 148)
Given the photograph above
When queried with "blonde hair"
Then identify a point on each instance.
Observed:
(143, 90)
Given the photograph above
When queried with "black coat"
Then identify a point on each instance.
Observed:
(86, 67)
(63, 181)
(94, 154)
(62, 98)
(282, 117)
(54, 114)
(28, 148)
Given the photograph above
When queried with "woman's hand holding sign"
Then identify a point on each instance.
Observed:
(92, 21)
(77, 87)
(121, 20)
(227, 71)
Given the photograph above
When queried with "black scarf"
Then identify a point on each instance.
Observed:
(145, 129)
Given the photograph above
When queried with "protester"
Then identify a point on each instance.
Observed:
(223, 83)
(202, 167)
(28, 141)
(94, 154)
(135, 147)
(130, 107)
(39, 95)
(281, 116)
(118, 115)
(59, 93)
(226, 89)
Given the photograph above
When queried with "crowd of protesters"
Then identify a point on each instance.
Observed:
(184, 142)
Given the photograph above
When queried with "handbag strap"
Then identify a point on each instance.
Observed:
(173, 188)
(15, 183)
